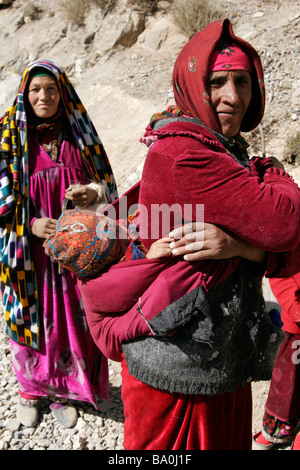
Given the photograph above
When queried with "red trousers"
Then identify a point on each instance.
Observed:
(158, 420)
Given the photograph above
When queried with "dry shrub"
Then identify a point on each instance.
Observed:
(74, 10)
(105, 5)
(193, 15)
(292, 149)
(31, 11)
(148, 7)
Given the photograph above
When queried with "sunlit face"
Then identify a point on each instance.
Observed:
(43, 96)
(230, 93)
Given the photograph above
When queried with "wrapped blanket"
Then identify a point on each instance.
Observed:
(121, 301)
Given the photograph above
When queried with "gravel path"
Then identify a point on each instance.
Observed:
(95, 430)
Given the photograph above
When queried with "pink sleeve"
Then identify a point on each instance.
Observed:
(32, 219)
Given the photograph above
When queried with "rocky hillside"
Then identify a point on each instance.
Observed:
(121, 64)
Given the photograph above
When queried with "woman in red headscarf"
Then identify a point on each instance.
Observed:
(193, 336)
(176, 397)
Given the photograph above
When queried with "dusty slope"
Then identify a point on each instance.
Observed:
(122, 86)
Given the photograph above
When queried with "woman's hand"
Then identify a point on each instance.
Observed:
(198, 241)
(81, 195)
(43, 227)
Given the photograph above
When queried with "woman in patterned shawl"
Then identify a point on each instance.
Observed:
(48, 145)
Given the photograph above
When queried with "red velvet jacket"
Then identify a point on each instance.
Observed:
(257, 204)
(188, 165)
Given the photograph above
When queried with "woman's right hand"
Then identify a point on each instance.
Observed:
(197, 241)
(43, 227)
(81, 195)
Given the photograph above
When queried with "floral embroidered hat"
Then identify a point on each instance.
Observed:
(82, 241)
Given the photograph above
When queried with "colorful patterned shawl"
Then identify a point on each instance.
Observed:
(18, 282)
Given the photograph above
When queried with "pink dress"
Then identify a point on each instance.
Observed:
(68, 363)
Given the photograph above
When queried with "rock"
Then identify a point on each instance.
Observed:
(80, 423)
(5, 2)
(118, 30)
(89, 38)
(258, 14)
(12, 424)
(295, 99)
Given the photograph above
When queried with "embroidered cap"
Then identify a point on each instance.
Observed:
(82, 241)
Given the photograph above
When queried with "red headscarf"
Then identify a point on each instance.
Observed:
(229, 56)
(191, 72)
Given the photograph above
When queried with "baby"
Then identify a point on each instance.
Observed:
(87, 242)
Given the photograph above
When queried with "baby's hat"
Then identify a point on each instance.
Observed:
(82, 241)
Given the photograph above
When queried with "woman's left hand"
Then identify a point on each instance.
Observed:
(42, 227)
(80, 195)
